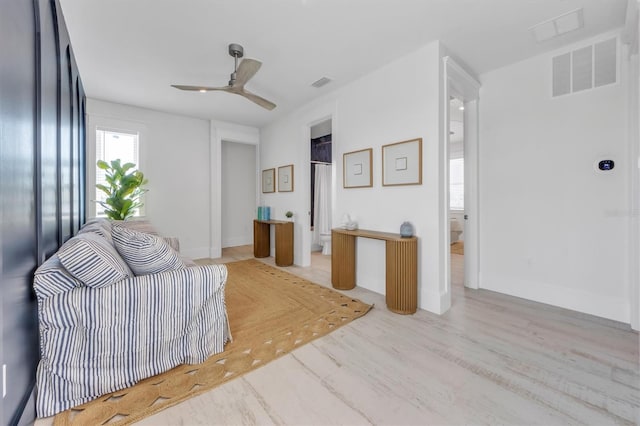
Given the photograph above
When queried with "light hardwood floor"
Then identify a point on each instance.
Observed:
(491, 359)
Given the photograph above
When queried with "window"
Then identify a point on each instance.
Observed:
(112, 145)
(456, 184)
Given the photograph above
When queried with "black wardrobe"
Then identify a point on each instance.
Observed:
(42, 177)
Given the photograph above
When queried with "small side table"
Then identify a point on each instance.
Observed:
(284, 240)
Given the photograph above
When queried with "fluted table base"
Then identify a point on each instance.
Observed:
(401, 290)
(284, 240)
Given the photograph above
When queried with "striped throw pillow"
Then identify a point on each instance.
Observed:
(90, 258)
(52, 278)
(98, 228)
(145, 253)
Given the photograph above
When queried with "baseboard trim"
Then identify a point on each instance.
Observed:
(237, 241)
(196, 253)
(616, 309)
(434, 302)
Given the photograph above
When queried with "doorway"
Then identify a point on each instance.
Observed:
(456, 193)
(238, 193)
(463, 87)
(321, 187)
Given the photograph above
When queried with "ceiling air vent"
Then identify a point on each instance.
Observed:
(558, 26)
(585, 68)
(321, 82)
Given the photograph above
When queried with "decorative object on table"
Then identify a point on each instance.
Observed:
(406, 230)
(356, 167)
(402, 163)
(124, 189)
(285, 178)
(269, 180)
(264, 213)
(289, 214)
(348, 224)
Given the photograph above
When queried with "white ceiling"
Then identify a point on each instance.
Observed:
(130, 51)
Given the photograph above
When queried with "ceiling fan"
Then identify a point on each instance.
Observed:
(239, 77)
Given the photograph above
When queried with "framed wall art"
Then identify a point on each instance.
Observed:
(402, 163)
(269, 180)
(356, 169)
(285, 178)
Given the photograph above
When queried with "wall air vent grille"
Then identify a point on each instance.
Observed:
(585, 68)
(321, 82)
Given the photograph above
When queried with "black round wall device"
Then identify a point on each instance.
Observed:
(606, 165)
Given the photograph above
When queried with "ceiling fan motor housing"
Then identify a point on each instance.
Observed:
(236, 50)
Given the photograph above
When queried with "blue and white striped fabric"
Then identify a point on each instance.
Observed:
(100, 226)
(145, 253)
(51, 278)
(90, 258)
(99, 340)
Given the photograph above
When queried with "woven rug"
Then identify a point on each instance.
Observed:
(457, 247)
(271, 312)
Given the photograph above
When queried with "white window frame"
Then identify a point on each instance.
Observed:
(98, 122)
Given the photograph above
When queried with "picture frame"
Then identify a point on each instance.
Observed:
(269, 181)
(285, 178)
(402, 163)
(356, 168)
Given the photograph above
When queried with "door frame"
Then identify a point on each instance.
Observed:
(460, 84)
(307, 119)
(231, 133)
(306, 170)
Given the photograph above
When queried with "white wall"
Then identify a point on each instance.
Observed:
(238, 193)
(400, 101)
(182, 158)
(174, 156)
(552, 229)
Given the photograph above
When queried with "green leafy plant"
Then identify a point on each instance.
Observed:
(124, 189)
(289, 214)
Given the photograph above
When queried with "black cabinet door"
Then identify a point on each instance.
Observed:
(42, 172)
(18, 246)
(49, 142)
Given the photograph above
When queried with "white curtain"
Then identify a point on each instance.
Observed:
(322, 202)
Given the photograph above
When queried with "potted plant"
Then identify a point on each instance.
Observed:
(124, 189)
(289, 214)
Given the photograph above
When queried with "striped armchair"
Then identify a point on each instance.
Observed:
(105, 325)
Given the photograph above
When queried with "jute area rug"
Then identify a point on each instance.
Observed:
(271, 312)
(457, 247)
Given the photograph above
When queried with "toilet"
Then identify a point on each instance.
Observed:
(325, 242)
(456, 230)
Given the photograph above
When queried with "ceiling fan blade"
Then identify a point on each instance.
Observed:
(241, 75)
(257, 99)
(246, 70)
(199, 88)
